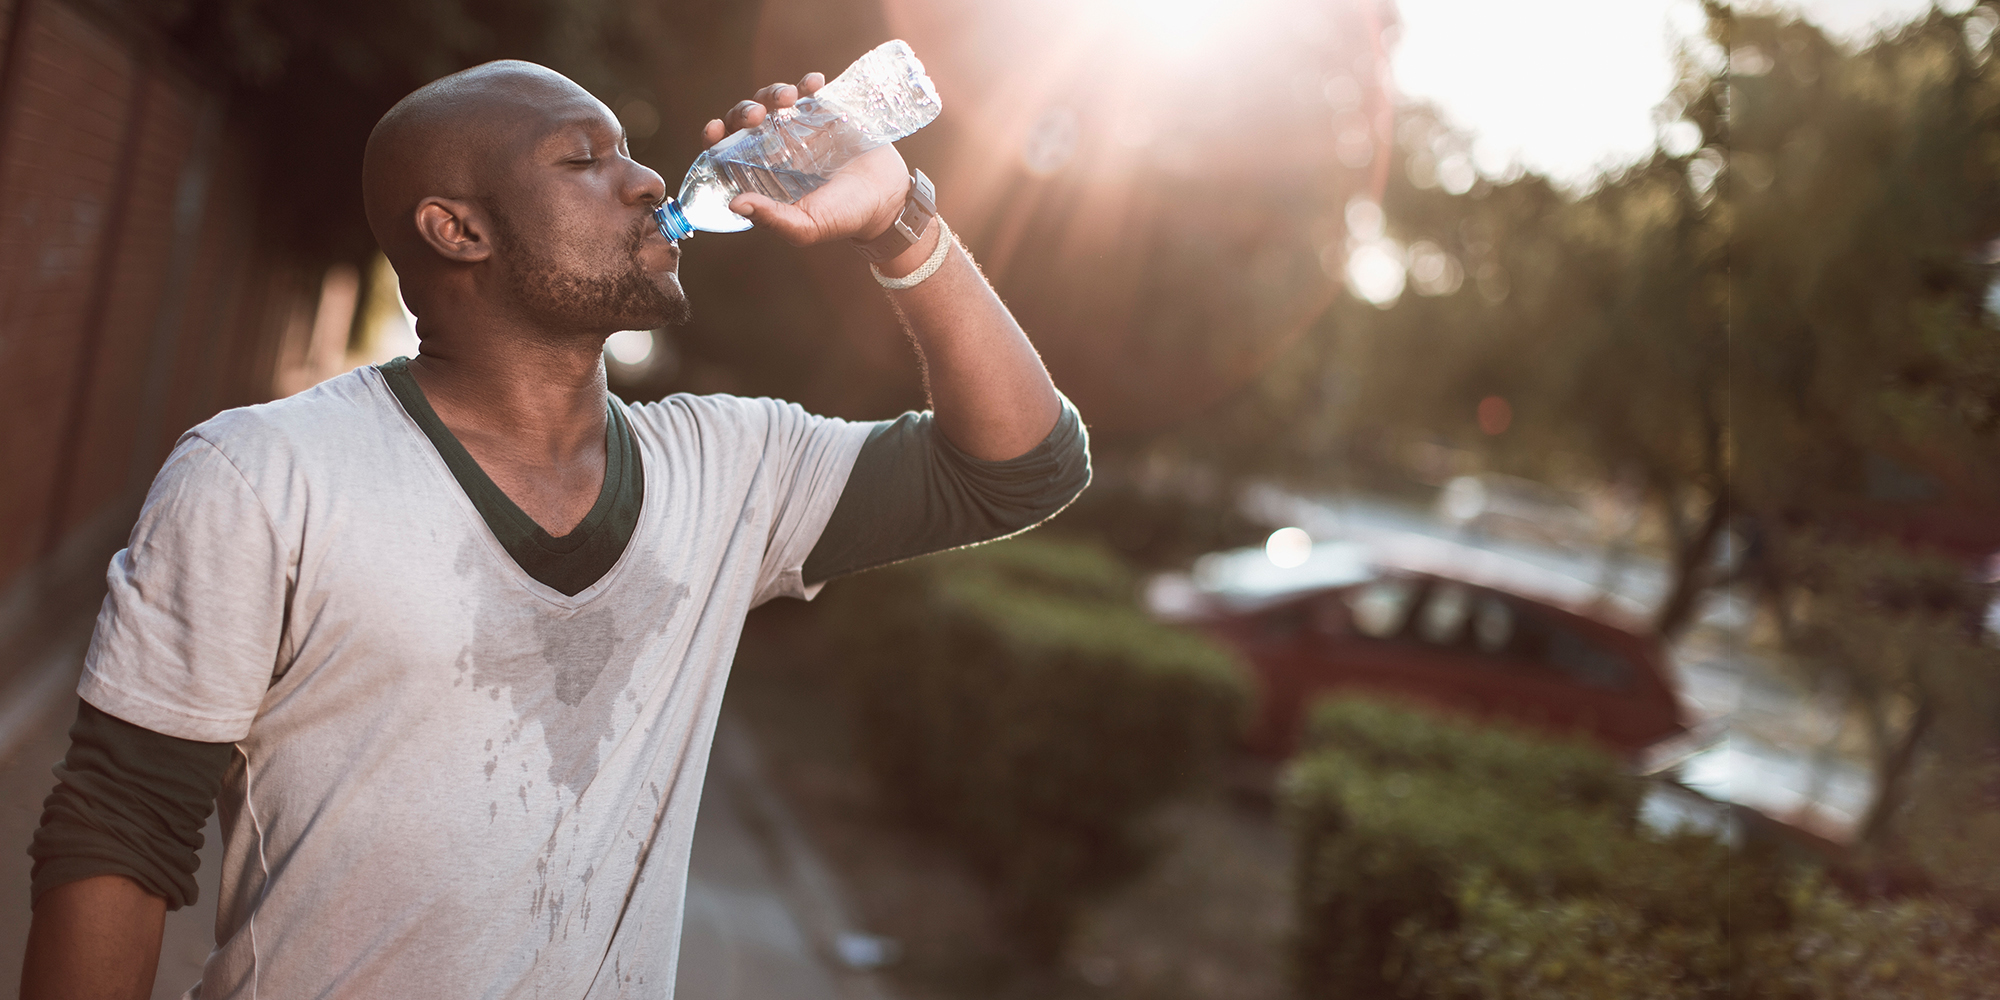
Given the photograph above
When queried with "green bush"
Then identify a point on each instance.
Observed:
(1014, 700)
(1509, 946)
(1386, 737)
(1824, 946)
(1837, 949)
(1438, 859)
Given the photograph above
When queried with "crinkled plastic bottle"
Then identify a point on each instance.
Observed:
(883, 97)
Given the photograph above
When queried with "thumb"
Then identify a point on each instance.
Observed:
(791, 223)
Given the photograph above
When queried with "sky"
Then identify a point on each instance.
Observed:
(1569, 106)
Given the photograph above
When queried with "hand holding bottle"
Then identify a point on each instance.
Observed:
(860, 201)
(789, 142)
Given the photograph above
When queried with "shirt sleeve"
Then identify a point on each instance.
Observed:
(912, 492)
(187, 640)
(128, 801)
(805, 465)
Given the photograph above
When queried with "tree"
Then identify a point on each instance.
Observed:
(1778, 327)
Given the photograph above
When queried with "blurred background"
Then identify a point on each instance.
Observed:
(1547, 504)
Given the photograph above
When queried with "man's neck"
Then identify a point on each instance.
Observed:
(532, 414)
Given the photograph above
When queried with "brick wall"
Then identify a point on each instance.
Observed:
(136, 297)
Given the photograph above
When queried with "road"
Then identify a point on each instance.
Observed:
(765, 917)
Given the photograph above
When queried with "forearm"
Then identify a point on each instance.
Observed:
(992, 397)
(94, 939)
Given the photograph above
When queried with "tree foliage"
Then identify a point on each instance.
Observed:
(1780, 328)
(1784, 327)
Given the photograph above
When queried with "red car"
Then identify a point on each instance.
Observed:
(1466, 636)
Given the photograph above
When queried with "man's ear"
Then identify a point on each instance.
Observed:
(455, 228)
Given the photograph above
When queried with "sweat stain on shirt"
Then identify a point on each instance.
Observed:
(563, 670)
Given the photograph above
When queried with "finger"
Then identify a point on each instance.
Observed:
(791, 223)
(811, 84)
(713, 132)
(746, 114)
(774, 95)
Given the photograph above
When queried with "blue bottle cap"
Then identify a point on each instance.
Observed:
(673, 225)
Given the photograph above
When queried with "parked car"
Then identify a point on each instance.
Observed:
(1454, 627)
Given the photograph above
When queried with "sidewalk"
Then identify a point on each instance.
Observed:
(765, 918)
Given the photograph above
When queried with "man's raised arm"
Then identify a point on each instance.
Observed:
(991, 395)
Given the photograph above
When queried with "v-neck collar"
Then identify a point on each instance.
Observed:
(568, 563)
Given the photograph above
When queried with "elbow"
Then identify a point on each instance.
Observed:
(1073, 476)
(1070, 472)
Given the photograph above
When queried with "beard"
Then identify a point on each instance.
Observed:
(597, 301)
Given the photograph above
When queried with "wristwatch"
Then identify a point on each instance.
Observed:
(918, 211)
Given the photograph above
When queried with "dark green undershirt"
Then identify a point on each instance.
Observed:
(568, 563)
(128, 801)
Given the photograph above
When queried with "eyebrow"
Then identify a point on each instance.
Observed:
(587, 123)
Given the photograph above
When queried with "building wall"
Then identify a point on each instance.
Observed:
(136, 296)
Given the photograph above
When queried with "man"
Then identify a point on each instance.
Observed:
(449, 635)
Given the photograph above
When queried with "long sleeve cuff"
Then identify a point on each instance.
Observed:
(128, 801)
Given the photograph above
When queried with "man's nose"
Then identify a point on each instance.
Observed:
(647, 184)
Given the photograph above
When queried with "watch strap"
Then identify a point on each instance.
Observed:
(919, 209)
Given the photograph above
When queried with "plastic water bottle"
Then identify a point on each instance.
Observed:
(883, 97)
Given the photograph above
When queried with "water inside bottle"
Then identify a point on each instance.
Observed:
(704, 201)
(775, 183)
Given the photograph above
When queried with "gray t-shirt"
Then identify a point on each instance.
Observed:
(461, 783)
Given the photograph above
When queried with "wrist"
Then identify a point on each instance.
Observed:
(909, 260)
(878, 226)
(907, 229)
(940, 249)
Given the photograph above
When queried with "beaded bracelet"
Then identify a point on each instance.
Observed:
(930, 265)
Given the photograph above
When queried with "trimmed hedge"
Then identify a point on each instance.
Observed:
(1014, 700)
(1419, 837)
(1385, 736)
(1508, 945)
(1451, 861)
(1836, 949)
(1825, 947)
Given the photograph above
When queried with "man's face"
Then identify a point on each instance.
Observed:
(575, 239)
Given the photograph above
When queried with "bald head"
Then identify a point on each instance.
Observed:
(506, 194)
(455, 138)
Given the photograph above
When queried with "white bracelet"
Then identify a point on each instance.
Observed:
(930, 265)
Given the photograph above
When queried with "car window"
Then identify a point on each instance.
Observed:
(1381, 608)
(1492, 625)
(1444, 615)
(1503, 628)
(1586, 661)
